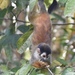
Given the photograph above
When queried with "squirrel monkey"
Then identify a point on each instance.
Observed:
(41, 38)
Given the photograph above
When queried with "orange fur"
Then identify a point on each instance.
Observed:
(42, 29)
(39, 64)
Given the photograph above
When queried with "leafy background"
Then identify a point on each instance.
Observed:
(16, 32)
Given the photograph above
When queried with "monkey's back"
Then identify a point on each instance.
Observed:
(42, 29)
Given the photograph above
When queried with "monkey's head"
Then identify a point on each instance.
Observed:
(41, 56)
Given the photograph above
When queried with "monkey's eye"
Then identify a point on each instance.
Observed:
(43, 55)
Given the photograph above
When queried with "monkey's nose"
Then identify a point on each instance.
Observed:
(43, 59)
(46, 59)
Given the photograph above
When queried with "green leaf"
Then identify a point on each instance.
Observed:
(72, 38)
(68, 71)
(73, 60)
(63, 1)
(40, 74)
(69, 8)
(10, 30)
(2, 14)
(63, 62)
(59, 17)
(6, 73)
(23, 38)
(3, 67)
(23, 28)
(58, 70)
(32, 3)
(26, 44)
(33, 72)
(73, 29)
(24, 70)
(8, 51)
(10, 9)
(48, 2)
(13, 0)
(4, 70)
(9, 40)
(15, 69)
(22, 4)
(27, 54)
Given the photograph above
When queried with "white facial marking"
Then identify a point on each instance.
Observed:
(43, 55)
(36, 53)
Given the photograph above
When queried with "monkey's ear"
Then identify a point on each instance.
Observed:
(38, 50)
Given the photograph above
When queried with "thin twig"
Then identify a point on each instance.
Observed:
(12, 19)
(47, 67)
(22, 21)
(29, 22)
(64, 24)
(31, 70)
(5, 19)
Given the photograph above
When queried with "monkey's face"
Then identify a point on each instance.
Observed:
(41, 56)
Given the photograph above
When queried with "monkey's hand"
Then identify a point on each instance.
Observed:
(39, 64)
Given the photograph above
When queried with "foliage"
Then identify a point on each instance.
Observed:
(68, 8)
(4, 4)
(16, 32)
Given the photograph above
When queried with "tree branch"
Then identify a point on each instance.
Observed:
(12, 19)
(29, 22)
(64, 24)
(22, 21)
(5, 19)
